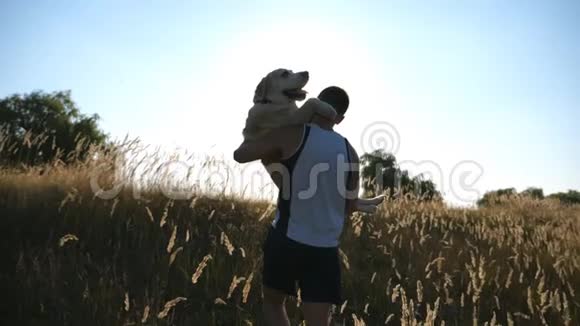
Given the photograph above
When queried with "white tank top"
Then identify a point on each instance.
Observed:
(312, 210)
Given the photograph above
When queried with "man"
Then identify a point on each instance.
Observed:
(318, 190)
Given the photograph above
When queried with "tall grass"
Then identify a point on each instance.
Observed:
(73, 258)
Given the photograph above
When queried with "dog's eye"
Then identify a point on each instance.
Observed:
(285, 74)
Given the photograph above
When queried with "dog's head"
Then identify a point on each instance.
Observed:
(281, 86)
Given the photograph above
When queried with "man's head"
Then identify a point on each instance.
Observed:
(336, 97)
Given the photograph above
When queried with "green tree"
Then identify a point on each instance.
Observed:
(495, 197)
(380, 172)
(426, 188)
(570, 197)
(41, 127)
(533, 192)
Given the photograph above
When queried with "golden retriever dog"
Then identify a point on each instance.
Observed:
(275, 106)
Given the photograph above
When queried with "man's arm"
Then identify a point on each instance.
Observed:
(266, 148)
(352, 182)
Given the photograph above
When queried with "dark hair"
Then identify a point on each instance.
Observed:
(336, 97)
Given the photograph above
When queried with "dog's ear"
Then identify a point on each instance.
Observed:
(261, 93)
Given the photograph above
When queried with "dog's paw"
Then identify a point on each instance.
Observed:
(326, 110)
(322, 108)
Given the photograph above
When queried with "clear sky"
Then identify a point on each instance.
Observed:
(492, 81)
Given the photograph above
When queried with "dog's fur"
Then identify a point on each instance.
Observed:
(275, 104)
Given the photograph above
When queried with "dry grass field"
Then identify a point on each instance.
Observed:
(72, 258)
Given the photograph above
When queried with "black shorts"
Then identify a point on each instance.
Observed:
(288, 264)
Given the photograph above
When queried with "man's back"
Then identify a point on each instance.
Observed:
(313, 208)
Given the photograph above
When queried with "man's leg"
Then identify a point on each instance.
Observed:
(278, 278)
(320, 284)
(316, 314)
(274, 308)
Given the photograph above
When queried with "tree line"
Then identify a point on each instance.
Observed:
(495, 197)
(39, 127)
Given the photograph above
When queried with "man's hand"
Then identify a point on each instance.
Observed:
(369, 205)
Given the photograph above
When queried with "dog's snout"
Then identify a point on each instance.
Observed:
(304, 74)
